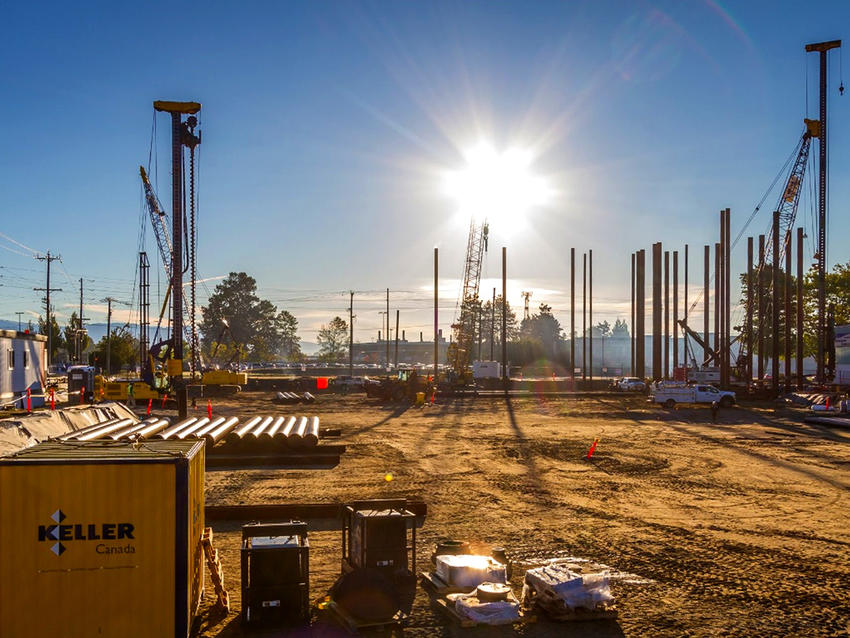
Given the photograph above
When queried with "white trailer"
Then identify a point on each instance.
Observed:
(670, 395)
(22, 367)
(486, 370)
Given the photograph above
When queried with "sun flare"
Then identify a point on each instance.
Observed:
(498, 186)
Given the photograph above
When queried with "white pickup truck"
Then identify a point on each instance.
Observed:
(669, 396)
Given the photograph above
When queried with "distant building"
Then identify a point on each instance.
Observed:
(408, 351)
(22, 364)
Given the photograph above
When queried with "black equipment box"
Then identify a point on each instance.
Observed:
(375, 534)
(275, 574)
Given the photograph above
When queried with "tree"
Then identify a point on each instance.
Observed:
(70, 335)
(620, 329)
(123, 349)
(763, 326)
(56, 334)
(511, 325)
(544, 328)
(601, 329)
(333, 340)
(254, 324)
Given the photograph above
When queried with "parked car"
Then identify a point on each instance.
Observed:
(347, 382)
(631, 384)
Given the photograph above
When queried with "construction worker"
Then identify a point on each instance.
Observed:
(131, 396)
(714, 408)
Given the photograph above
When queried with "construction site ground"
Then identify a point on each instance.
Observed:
(741, 525)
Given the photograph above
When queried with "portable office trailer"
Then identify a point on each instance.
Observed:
(21, 366)
(101, 538)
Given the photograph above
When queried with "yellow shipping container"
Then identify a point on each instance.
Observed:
(101, 539)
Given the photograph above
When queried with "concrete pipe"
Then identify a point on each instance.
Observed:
(106, 429)
(174, 429)
(201, 433)
(157, 425)
(89, 428)
(311, 436)
(214, 436)
(189, 432)
(237, 433)
(296, 436)
(308, 398)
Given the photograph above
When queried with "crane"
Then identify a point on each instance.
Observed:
(161, 224)
(787, 207)
(464, 326)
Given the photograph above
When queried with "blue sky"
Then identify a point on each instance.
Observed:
(328, 125)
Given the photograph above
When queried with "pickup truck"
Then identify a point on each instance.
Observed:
(669, 396)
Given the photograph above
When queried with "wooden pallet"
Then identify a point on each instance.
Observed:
(555, 609)
(447, 607)
(216, 571)
(353, 624)
(437, 585)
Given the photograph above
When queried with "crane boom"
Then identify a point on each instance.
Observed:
(464, 326)
(161, 222)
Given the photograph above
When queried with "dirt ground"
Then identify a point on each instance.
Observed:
(742, 526)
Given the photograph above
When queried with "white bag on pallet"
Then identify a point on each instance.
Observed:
(556, 581)
(500, 612)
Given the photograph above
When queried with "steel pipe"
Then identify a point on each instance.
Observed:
(112, 427)
(286, 431)
(273, 429)
(174, 429)
(201, 433)
(214, 436)
(310, 437)
(135, 427)
(296, 435)
(89, 428)
(158, 425)
(190, 431)
(261, 427)
(237, 433)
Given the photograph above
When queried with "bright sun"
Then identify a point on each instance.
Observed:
(500, 187)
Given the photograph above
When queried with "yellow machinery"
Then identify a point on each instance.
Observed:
(224, 377)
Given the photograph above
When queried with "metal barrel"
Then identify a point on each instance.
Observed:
(272, 430)
(189, 432)
(311, 436)
(237, 433)
(174, 429)
(156, 425)
(128, 431)
(112, 427)
(296, 436)
(284, 432)
(209, 427)
(308, 398)
(261, 427)
(89, 428)
(220, 431)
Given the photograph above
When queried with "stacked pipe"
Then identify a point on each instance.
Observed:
(291, 397)
(269, 433)
(258, 434)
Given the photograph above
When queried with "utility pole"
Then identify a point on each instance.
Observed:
(396, 338)
(573, 315)
(590, 309)
(505, 372)
(80, 331)
(822, 48)
(525, 296)
(436, 310)
(108, 301)
(351, 333)
(47, 290)
(493, 327)
(388, 327)
(19, 320)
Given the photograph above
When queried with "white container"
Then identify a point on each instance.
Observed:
(466, 570)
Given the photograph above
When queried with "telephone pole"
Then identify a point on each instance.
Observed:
(80, 330)
(49, 259)
(109, 301)
(19, 313)
(351, 333)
